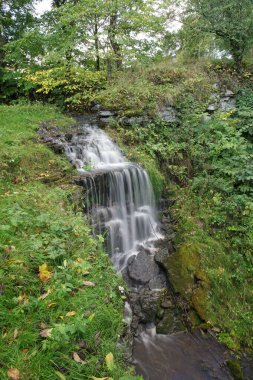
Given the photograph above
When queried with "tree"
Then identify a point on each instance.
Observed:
(229, 20)
(15, 16)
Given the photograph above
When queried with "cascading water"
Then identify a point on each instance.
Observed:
(119, 196)
(120, 205)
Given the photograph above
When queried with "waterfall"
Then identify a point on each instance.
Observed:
(120, 201)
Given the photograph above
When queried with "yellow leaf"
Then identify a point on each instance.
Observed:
(71, 314)
(44, 273)
(14, 374)
(77, 358)
(51, 304)
(99, 378)
(109, 361)
(88, 283)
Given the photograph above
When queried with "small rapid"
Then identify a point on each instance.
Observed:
(120, 201)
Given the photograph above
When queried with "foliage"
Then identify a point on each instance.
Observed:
(229, 20)
(70, 87)
(54, 323)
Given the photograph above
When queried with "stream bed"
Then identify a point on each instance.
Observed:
(120, 206)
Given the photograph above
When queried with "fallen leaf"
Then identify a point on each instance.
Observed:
(109, 361)
(15, 334)
(60, 375)
(43, 325)
(44, 273)
(43, 296)
(9, 248)
(14, 374)
(24, 351)
(77, 358)
(23, 299)
(99, 378)
(88, 283)
(51, 304)
(71, 314)
(46, 333)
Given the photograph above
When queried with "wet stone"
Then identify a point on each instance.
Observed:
(142, 267)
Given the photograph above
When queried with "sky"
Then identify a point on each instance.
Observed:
(42, 6)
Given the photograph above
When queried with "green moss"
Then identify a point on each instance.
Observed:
(235, 369)
(182, 266)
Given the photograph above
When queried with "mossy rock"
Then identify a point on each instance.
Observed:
(199, 301)
(182, 267)
(235, 369)
(188, 279)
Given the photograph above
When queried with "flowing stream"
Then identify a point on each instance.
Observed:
(120, 205)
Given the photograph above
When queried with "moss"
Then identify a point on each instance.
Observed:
(187, 278)
(182, 266)
(199, 301)
(235, 369)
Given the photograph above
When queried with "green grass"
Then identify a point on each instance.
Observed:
(41, 225)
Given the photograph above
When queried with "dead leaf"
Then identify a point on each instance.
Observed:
(77, 358)
(46, 333)
(15, 334)
(43, 296)
(44, 273)
(23, 299)
(88, 283)
(43, 325)
(109, 361)
(14, 374)
(9, 248)
(51, 304)
(71, 314)
(99, 378)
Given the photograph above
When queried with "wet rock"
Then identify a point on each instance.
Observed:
(142, 267)
(145, 305)
(158, 282)
(235, 369)
(166, 325)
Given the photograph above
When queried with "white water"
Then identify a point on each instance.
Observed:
(120, 199)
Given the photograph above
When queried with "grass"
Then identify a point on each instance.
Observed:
(60, 308)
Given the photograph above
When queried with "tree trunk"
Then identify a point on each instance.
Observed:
(97, 45)
(113, 40)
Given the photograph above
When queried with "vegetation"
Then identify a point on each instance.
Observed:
(207, 166)
(60, 308)
(57, 320)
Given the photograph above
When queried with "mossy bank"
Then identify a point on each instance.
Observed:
(201, 159)
(61, 311)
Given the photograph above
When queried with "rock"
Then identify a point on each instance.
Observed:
(128, 121)
(235, 369)
(227, 103)
(142, 268)
(106, 114)
(167, 303)
(169, 115)
(229, 93)
(212, 107)
(162, 256)
(158, 282)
